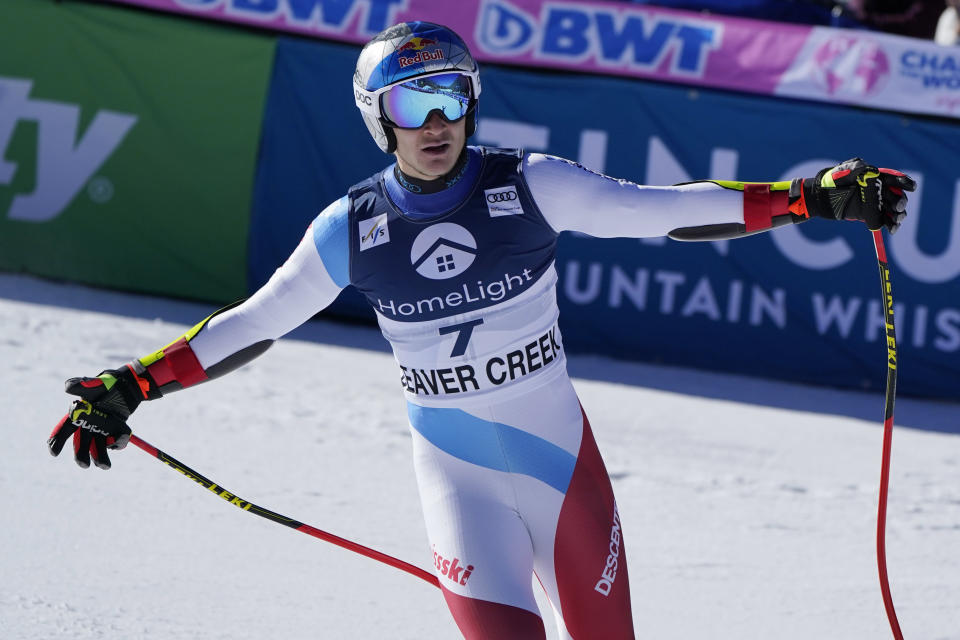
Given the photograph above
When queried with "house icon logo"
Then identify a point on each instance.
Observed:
(442, 251)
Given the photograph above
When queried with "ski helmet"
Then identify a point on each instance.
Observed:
(415, 51)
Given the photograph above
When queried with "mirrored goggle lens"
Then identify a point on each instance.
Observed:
(407, 105)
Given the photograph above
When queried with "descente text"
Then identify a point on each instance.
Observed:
(609, 573)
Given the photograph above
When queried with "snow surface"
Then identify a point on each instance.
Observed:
(749, 507)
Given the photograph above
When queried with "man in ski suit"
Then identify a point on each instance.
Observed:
(453, 247)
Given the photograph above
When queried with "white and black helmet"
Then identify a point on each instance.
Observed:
(404, 52)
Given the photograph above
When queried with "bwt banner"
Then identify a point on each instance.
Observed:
(620, 38)
(800, 303)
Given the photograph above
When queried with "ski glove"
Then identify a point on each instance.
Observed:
(97, 421)
(854, 190)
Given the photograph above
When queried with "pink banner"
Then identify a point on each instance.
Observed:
(624, 39)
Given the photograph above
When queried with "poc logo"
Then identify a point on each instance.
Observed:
(65, 161)
(503, 201)
(362, 98)
(373, 232)
(442, 251)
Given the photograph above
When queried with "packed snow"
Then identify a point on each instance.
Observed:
(748, 506)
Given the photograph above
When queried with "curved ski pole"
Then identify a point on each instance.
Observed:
(887, 432)
(279, 519)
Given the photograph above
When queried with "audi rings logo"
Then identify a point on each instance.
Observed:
(503, 196)
(503, 201)
(442, 251)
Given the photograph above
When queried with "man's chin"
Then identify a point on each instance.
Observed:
(437, 166)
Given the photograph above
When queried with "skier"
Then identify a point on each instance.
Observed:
(453, 247)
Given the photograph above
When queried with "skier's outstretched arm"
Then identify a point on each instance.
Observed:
(308, 281)
(573, 198)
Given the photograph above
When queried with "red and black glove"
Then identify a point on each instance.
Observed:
(97, 421)
(854, 190)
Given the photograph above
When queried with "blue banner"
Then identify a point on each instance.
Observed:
(800, 303)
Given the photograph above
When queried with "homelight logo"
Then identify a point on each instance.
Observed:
(442, 251)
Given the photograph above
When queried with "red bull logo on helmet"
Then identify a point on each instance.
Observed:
(416, 44)
(420, 57)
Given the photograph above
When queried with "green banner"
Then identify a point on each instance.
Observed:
(128, 143)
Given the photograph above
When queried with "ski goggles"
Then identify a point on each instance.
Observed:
(408, 105)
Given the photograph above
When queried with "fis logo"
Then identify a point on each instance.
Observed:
(373, 232)
(503, 201)
(65, 160)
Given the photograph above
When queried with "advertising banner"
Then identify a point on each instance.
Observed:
(800, 303)
(127, 147)
(621, 38)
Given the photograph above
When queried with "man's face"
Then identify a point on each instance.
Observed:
(430, 151)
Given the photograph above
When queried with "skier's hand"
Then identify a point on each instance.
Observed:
(97, 421)
(854, 190)
(93, 430)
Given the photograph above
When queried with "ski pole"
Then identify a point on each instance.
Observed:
(887, 293)
(279, 519)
